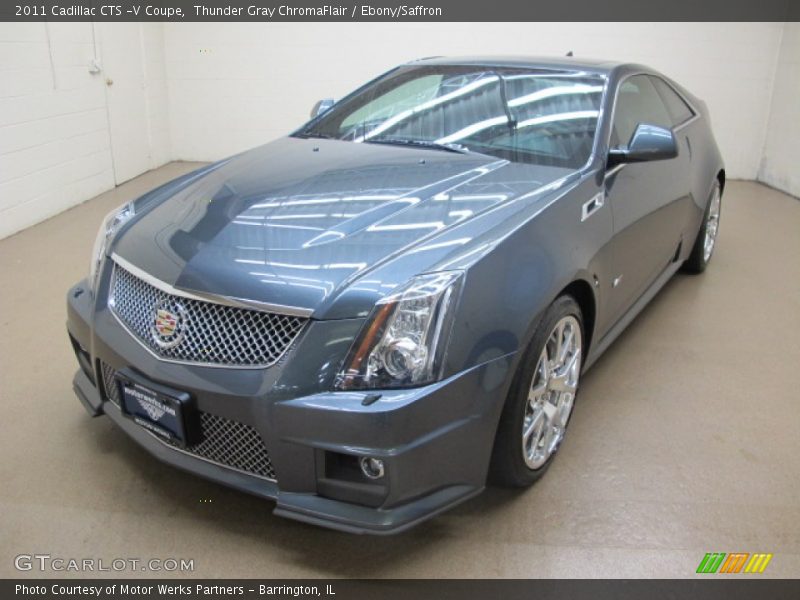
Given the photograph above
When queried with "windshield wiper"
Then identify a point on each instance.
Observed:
(457, 148)
(311, 134)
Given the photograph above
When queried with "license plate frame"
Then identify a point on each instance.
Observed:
(168, 413)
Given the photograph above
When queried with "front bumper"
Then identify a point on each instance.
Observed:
(435, 441)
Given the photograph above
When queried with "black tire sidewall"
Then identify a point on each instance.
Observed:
(696, 263)
(508, 465)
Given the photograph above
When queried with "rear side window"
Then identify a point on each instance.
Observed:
(637, 102)
(678, 110)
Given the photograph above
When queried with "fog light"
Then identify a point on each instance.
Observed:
(371, 467)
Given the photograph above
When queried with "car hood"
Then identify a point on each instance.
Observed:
(293, 222)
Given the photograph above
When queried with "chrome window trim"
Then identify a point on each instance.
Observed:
(614, 170)
(281, 309)
(686, 122)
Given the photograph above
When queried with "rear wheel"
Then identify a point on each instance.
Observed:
(703, 247)
(541, 399)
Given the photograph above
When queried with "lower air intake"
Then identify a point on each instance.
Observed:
(225, 442)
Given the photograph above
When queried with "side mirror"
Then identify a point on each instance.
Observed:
(649, 142)
(322, 106)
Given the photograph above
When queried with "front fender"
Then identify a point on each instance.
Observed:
(507, 290)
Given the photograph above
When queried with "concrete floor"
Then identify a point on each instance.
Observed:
(684, 440)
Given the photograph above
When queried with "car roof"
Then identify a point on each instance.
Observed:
(603, 67)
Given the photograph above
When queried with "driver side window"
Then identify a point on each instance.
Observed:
(637, 102)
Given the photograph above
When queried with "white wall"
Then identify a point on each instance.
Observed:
(156, 98)
(780, 165)
(234, 86)
(215, 89)
(55, 147)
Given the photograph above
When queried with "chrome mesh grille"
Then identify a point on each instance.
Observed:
(224, 441)
(205, 332)
(231, 444)
(109, 383)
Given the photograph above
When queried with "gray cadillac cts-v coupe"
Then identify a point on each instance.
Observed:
(368, 319)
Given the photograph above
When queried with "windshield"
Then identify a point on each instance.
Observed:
(539, 117)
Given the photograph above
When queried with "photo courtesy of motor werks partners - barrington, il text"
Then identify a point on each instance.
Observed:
(196, 590)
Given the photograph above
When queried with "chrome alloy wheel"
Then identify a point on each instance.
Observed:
(712, 225)
(552, 392)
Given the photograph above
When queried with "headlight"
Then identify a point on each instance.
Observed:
(404, 340)
(111, 224)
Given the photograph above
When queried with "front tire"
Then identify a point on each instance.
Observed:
(541, 398)
(703, 248)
